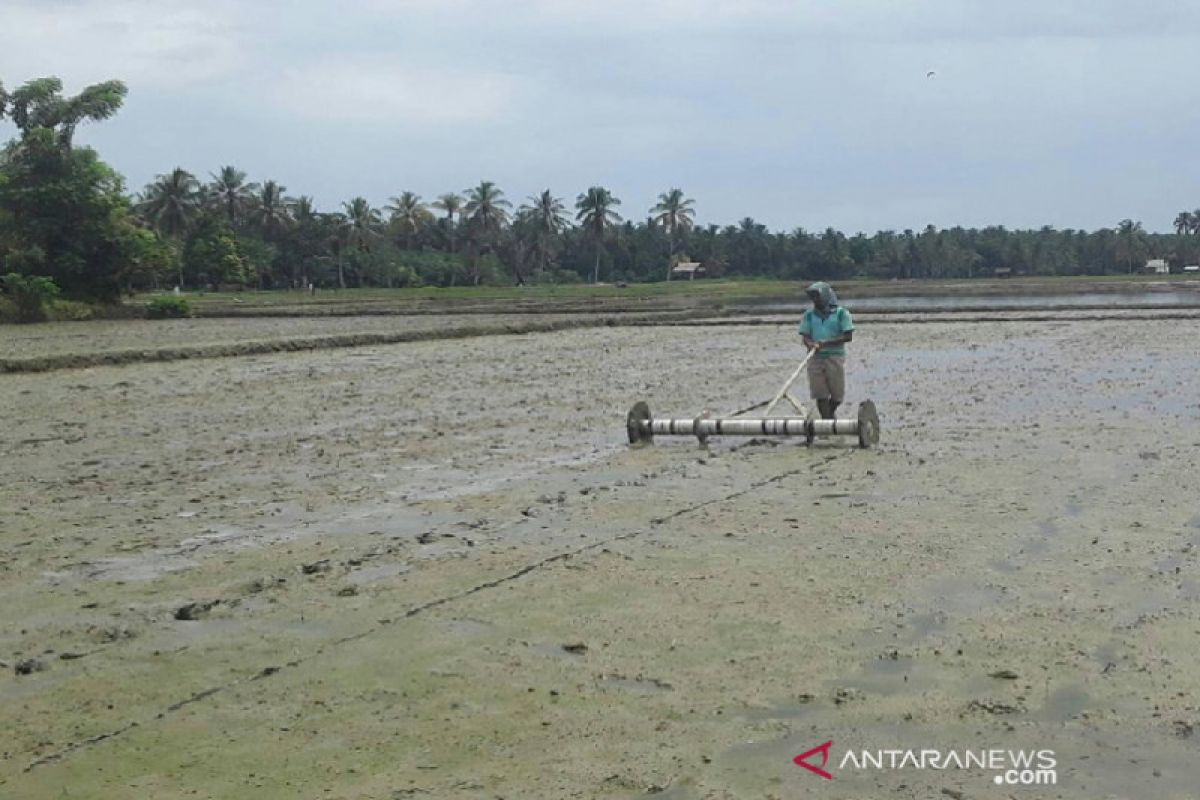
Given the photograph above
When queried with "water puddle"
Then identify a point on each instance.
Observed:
(465, 483)
(886, 677)
(955, 595)
(154, 563)
(1167, 298)
(782, 711)
(638, 685)
(466, 626)
(923, 625)
(134, 569)
(1063, 705)
(1138, 609)
(556, 651)
(367, 575)
(679, 791)
(1038, 546)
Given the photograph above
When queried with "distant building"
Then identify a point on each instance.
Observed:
(1157, 266)
(1003, 272)
(690, 269)
(1192, 268)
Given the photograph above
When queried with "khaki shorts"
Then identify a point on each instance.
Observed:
(827, 378)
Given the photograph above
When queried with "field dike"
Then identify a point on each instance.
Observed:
(59, 361)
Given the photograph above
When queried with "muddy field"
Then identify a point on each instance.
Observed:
(20, 341)
(434, 569)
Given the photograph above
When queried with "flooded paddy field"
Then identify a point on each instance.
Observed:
(108, 336)
(435, 569)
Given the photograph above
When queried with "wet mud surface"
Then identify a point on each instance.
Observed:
(17, 341)
(434, 569)
(49, 347)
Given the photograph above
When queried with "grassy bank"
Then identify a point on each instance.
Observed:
(703, 295)
(634, 297)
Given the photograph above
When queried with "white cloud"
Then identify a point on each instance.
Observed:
(756, 106)
(165, 44)
(878, 20)
(383, 90)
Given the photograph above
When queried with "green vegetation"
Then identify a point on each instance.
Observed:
(168, 307)
(597, 215)
(64, 214)
(231, 233)
(681, 295)
(31, 295)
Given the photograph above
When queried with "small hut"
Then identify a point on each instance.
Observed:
(687, 268)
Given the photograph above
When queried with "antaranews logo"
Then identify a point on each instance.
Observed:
(823, 749)
(1009, 767)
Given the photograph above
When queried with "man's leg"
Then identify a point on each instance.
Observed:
(818, 387)
(835, 378)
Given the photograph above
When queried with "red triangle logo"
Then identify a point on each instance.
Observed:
(823, 749)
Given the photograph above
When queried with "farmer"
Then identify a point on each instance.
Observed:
(826, 328)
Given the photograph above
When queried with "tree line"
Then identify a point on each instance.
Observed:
(66, 215)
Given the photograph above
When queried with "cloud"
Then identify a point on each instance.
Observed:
(165, 44)
(876, 20)
(384, 90)
(790, 111)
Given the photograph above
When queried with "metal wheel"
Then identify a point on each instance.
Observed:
(639, 433)
(868, 424)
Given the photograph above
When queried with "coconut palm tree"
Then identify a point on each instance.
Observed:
(171, 202)
(306, 241)
(547, 217)
(452, 204)
(409, 215)
(303, 209)
(486, 209)
(230, 192)
(1184, 223)
(1130, 244)
(358, 228)
(673, 212)
(270, 212)
(486, 214)
(595, 211)
(170, 205)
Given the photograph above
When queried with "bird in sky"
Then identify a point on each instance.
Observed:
(930, 74)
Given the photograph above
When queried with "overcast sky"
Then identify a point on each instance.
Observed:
(1072, 113)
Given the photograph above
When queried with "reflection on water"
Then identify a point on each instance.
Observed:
(1167, 299)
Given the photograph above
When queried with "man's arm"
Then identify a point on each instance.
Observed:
(847, 323)
(847, 333)
(812, 344)
(806, 333)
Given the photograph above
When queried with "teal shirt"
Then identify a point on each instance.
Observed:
(822, 329)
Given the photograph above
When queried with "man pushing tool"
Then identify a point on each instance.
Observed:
(825, 328)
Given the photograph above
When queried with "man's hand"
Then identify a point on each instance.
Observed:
(813, 345)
